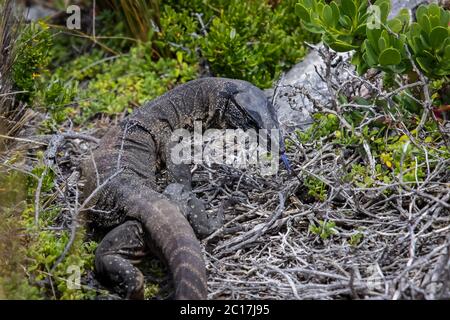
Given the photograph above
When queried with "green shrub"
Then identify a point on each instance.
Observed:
(248, 40)
(316, 188)
(325, 229)
(34, 56)
(395, 155)
(429, 40)
(348, 25)
(355, 239)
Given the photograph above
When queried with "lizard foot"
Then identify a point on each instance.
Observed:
(116, 256)
(194, 210)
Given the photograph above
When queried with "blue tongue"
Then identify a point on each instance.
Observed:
(286, 163)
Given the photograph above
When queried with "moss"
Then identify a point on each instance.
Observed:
(28, 253)
(119, 84)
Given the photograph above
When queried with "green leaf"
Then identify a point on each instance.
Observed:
(370, 55)
(232, 33)
(301, 11)
(397, 68)
(341, 46)
(425, 24)
(434, 10)
(390, 56)
(445, 18)
(429, 55)
(399, 44)
(346, 22)
(424, 64)
(420, 12)
(312, 27)
(382, 44)
(327, 15)
(319, 7)
(442, 71)
(361, 30)
(373, 35)
(363, 8)
(447, 53)
(358, 61)
(435, 21)
(309, 4)
(385, 8)
(395, 25)
(364, 16)
(362, 68)
(385, 35)
(336, 11)
(438, 36)
(348, 8)
(424, 41)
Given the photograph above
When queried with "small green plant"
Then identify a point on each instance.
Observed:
(430, 41)
(316, 188)
(359, 176)
(324, 125)
(34, 46)
(342, 23)
(29, 253)
(355, 239)
(384, 50)
(325, 229)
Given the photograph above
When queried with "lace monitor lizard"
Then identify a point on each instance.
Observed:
(139, 219)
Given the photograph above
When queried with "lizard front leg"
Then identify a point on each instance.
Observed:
(180, 191)
(194, 210)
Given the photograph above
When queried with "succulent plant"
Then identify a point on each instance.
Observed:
(429, 39)
(384, 47)
(353, 25)
(343, 23)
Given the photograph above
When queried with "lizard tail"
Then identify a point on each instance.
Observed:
(169, 233)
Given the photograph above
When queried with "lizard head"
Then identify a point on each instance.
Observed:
(249, 108)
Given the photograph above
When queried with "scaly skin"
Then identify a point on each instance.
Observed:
(142, 220)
